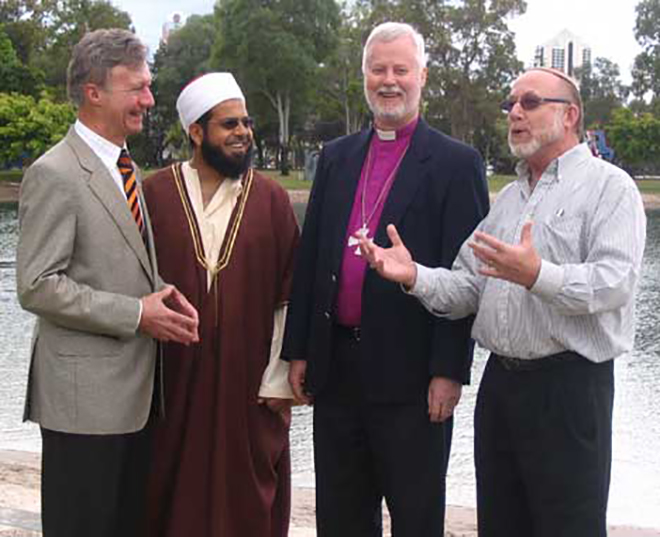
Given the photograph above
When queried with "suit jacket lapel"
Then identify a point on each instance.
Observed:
(344, 188)
(104, 188)
(407, 181)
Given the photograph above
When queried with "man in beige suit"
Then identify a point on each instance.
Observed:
(87, 268)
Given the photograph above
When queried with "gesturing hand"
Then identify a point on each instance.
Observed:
(517, 263)
(394, 263)
(168, 316)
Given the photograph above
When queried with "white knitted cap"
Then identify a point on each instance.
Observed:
(203, 93)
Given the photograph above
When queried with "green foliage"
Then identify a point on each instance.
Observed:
(339, 106)
(28, 127)
(646, 71)
(274, 49)
(43, 32)
(70, 22)
(183, 57)
(14, 76)
(601, 90)
(635, 140)
(471, 61)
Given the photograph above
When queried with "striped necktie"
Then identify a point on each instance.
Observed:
(127, 171)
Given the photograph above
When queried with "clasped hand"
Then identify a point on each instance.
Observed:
(168, 316)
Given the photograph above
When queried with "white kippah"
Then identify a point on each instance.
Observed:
(203, 93)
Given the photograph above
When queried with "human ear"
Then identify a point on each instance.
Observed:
(196, 132)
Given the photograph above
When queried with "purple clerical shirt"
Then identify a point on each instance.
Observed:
(378, 170)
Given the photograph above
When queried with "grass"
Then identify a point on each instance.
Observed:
(295, 181)
(11, 176)
(498, 182)
(649, 186)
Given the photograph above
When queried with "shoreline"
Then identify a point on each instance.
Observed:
(20, 502)
(9, 194)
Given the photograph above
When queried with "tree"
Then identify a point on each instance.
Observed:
(275, 48)
(601, 90)
(28, 127)
(14, 76)
(184, 56)
(340, 83)
(471, 61)
(26, 24)
(635, 139)
(69, 22)
(646, 70)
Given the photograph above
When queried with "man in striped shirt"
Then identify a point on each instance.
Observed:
(550, 274)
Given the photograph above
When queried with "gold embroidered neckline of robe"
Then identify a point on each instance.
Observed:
(232, 229)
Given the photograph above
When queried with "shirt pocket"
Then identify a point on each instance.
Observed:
(562, 239)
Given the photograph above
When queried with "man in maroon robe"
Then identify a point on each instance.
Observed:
(225, 236)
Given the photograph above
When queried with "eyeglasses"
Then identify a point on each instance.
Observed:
(528, 101)
(230, 123)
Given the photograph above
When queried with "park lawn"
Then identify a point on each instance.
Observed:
(11, 176)
(295, 182)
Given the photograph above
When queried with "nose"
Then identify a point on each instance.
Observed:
(241, 129)
(389, 79)
(147, 98)
(517, 111)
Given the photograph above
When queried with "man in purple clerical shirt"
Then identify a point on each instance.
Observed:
(384, 374)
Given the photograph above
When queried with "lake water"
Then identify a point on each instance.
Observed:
(635, 490)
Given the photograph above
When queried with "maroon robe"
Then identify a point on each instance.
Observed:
(221, 465)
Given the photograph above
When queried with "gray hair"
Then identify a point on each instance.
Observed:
(96, 54)
(389, 31)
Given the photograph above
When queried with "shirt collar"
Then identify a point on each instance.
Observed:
(392, 136)
(563, 165)
(102, 148)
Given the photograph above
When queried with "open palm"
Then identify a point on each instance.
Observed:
(394, 263)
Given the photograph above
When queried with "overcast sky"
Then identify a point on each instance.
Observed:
(606, 25)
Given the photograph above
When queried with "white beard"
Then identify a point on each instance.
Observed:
(526, 150)
(391, 113)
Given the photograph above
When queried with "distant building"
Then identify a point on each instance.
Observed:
(566, 52)
(175, 22)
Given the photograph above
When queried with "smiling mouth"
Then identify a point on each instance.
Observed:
(239, 146)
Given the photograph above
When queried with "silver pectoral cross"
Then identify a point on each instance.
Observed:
(354, 241)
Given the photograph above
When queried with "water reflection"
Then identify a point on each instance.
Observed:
(635, 494)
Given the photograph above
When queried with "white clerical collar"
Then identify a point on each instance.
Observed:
(386, 136)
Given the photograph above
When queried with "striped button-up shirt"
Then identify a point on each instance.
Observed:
(589, 228)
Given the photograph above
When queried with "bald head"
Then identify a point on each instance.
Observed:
(555, 83)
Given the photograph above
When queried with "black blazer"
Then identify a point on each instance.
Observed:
(438, 197)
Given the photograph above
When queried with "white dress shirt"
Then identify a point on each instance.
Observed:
(589, 228)
(104, 149)
(109, 155)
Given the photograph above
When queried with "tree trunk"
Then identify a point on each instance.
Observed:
(284, 113)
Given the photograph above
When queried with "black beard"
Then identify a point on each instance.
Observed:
(233, 168)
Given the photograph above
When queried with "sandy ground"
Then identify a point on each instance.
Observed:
(19, 493)
(8, 192)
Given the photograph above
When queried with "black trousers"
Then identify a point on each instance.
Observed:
(543, 449)
(365, 452)
(94, 485)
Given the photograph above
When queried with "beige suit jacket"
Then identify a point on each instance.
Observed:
(81, 268)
